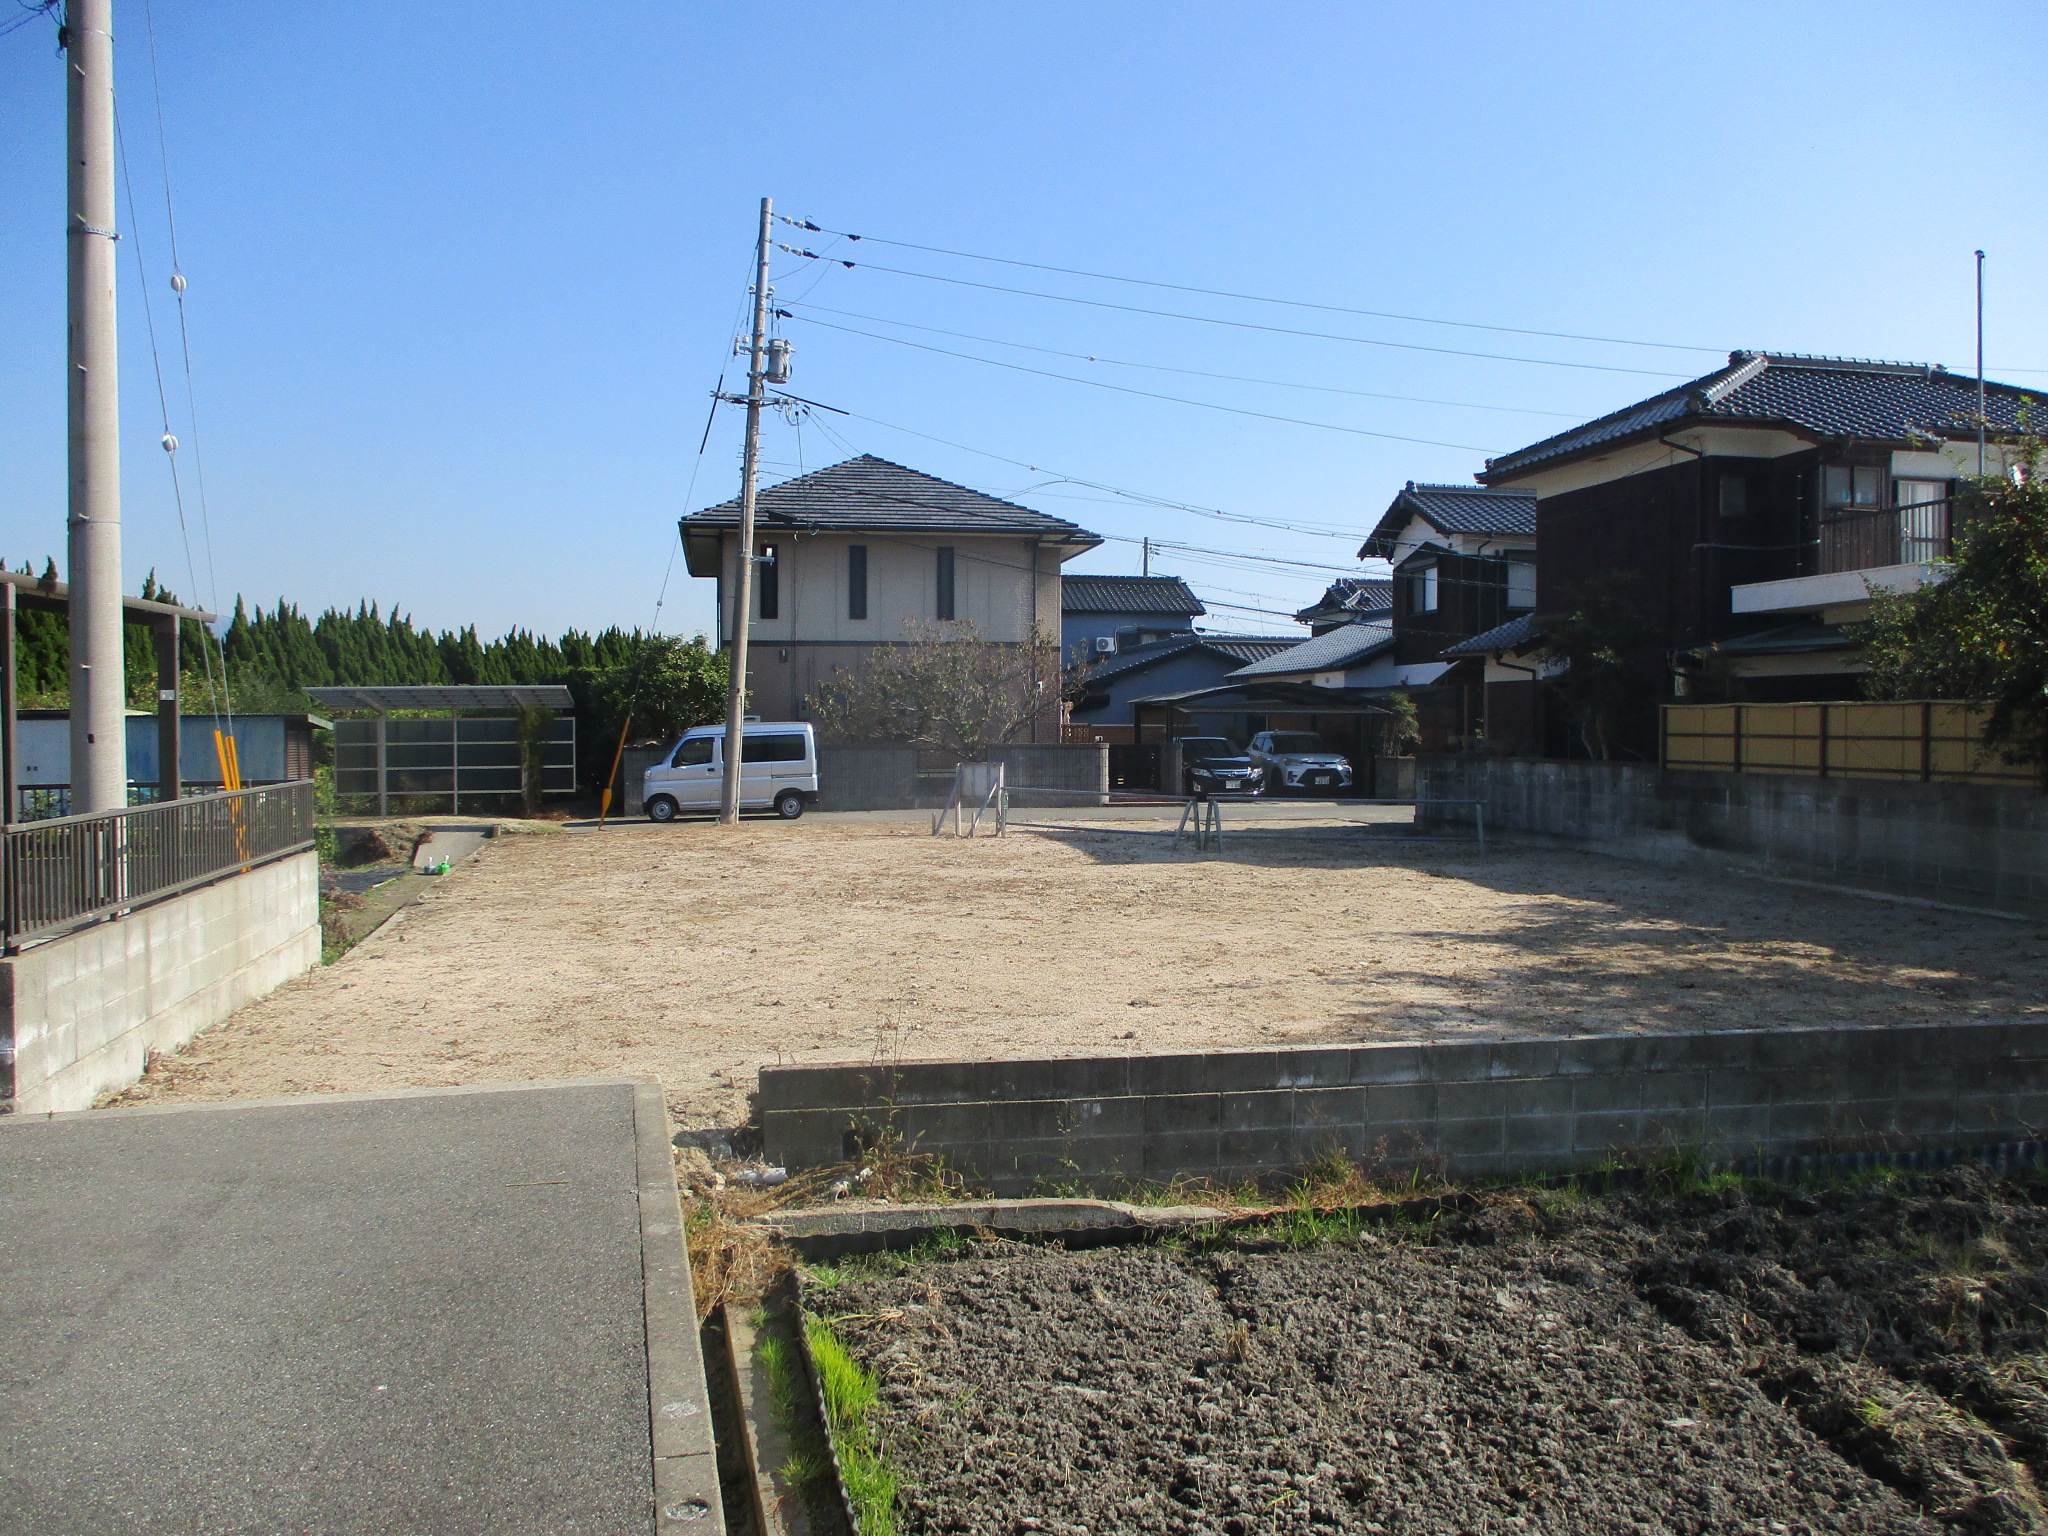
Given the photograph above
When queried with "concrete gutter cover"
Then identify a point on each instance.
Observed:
(452, 1311)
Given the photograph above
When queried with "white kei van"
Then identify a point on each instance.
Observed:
(778, 771)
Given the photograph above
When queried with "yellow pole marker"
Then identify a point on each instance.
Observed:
(604, 801)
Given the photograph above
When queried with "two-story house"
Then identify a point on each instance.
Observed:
(868, 553)
(1464, 559)
(1753, 510)
(1102, 615)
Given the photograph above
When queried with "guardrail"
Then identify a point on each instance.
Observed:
(68, 871)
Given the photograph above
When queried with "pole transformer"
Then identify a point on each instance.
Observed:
(99, 744)
(743, 574)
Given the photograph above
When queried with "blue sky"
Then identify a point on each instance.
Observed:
(462, 276)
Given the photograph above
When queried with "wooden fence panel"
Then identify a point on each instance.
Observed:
(1933, 741)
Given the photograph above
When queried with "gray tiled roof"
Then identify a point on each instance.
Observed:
(1231, 647)
(1817, 397)
(1511, 636)
(1129, 594)
(1341, 647)
(1350, 594)
(1453, 509)
(871, 495)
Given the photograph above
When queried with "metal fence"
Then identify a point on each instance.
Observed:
(72, 870)
(1929, 741)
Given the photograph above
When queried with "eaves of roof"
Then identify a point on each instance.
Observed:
(1453, 509)
(1169, 595)
(1500, 640)
(1238, 648)
(872, 495)
(1821, 399)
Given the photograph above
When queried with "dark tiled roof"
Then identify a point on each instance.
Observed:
(1351, 595)
(1129, 594)
(871, 495)
(1511, 636)
(1453, 509)
(1817, 397)
(1341, 647)
(1240, 648)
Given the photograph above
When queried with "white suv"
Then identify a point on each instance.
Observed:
(1298, 760)
(778, 771)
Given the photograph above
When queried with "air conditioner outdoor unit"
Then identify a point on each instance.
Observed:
(1105, 645)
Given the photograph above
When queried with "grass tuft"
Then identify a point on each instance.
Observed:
(851, 1392)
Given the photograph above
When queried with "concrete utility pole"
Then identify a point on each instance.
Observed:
(99, 743)
(743, 577)
(1980, 365)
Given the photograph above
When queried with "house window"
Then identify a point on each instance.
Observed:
(1845, 486)
(768, 581)
(1734, 496)
(857, 581)
(1521, 584)
(1422, 590)
(946, 610)
(1923, 519)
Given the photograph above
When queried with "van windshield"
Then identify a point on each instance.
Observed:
(692, 750)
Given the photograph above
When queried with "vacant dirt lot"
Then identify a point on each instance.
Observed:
(696, 953)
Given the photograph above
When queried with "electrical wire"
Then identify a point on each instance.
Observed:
(178, 285)
(222, 701)
(1253, 298)
(1125, 389)
(1243, 325)
(1198, 373)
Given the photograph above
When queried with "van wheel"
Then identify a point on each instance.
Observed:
(789, 805)
(661, 808)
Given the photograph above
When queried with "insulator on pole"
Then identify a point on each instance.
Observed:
(177, 282)
(170, 443)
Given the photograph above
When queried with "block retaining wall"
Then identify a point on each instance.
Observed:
(1969, 844)
(79, 1015)
(1468, 1108)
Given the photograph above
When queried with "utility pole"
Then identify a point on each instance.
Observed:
(743, 578)
(1980, 365)
(1148, 557)
(99, 743)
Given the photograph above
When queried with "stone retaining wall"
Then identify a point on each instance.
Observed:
(1467, 1108)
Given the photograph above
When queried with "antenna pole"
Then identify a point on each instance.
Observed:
(1980, 365)
(743, 577)
(99, 744)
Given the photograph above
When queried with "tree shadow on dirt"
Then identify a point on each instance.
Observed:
(1565, 942)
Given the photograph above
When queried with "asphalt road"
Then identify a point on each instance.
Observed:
(404, 1314)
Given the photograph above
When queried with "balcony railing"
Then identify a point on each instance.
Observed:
(68, 871)
(1860, 539)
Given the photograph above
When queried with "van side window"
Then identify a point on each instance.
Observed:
(772, 749)
(694, 751)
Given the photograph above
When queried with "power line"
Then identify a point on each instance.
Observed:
(1242, 325)
(1125, 389)
(1198, 373)
(1253, 298)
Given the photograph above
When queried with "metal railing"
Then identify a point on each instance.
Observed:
(1861, 539)
(68, 871)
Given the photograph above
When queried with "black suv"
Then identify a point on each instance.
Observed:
(1212, 765)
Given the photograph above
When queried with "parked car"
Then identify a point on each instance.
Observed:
(1213, 765)
(1298, 760)
(778, 771)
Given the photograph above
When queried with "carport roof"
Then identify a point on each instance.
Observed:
(450, 697)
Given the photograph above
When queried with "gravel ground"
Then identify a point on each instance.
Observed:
(1863, 1360)
(695, 953)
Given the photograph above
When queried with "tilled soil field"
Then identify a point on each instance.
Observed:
(1864, 1359)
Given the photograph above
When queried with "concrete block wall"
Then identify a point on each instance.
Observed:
(1971, 844)
(80, 1014)
(1468, 1108)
